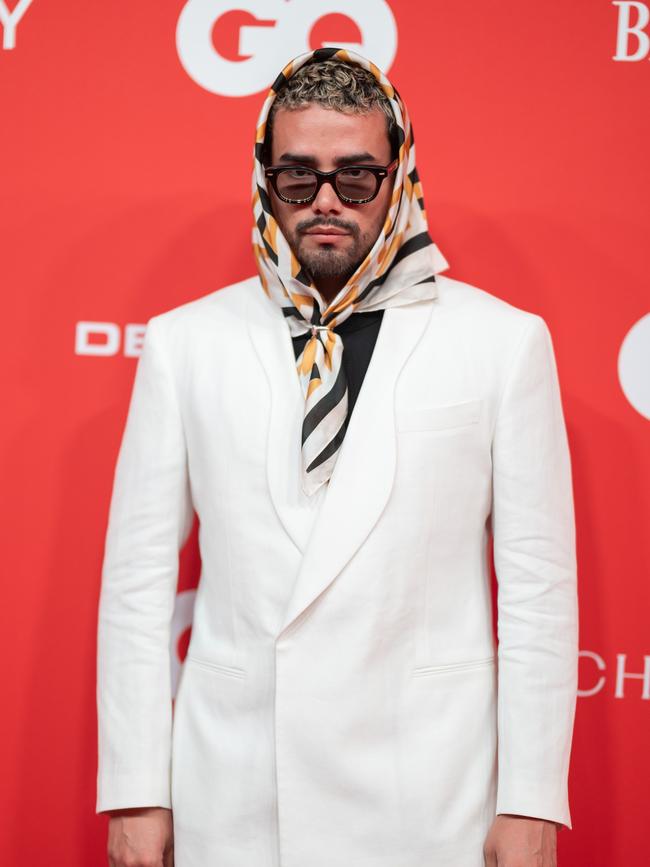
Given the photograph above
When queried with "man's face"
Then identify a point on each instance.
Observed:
(326, 139)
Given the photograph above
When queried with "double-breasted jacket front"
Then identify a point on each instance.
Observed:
(344, 699)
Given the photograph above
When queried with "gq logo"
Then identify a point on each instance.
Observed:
(278, 30)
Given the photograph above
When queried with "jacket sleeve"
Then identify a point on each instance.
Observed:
(535, 562)
(150, 517)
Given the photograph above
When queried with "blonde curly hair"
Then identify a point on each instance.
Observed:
(335, 85)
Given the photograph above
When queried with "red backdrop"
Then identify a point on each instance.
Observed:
(126, 153)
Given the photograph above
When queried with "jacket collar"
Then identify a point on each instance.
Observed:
(363, 476)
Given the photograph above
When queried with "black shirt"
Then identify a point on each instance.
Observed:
(359, 334)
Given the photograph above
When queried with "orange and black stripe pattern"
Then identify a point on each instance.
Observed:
(399, 269)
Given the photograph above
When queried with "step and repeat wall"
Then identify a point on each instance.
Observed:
(126, 155)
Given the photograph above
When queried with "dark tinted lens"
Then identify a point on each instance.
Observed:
(356, 184)
(296, 183)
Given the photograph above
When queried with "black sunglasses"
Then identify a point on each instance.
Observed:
(355, 185)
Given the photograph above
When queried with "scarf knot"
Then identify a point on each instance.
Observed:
(316, 328)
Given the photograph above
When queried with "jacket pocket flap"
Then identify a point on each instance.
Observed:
(439, 417)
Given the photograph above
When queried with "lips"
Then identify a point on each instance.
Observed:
(325, 231)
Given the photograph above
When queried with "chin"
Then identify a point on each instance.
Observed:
(334, 268)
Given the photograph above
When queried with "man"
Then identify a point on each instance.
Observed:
(342, 698)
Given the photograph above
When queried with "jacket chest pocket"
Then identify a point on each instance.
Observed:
(442, 448)
(439, 417)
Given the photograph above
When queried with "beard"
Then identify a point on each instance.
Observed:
(328, 260)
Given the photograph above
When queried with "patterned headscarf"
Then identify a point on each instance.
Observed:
(399, 269)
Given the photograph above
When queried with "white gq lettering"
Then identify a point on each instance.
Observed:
(621, 675)
(600, 683)
(9, 21)
(634, 364)
(108, 330)
(625, 30)
(111, 334)
(267, 48)
(133, 338)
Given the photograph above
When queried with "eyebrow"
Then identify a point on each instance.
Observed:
(309, 159)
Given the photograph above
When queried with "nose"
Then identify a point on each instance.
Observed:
(326, 202)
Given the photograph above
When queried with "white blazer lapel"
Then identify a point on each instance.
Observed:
(363, 475)
(271, 339)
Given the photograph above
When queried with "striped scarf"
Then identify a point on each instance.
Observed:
(399, 269)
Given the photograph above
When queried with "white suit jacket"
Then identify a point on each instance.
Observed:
(343, 702)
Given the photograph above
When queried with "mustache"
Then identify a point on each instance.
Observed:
(333, 223)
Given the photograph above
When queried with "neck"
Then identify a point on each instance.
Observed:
(329, 287)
